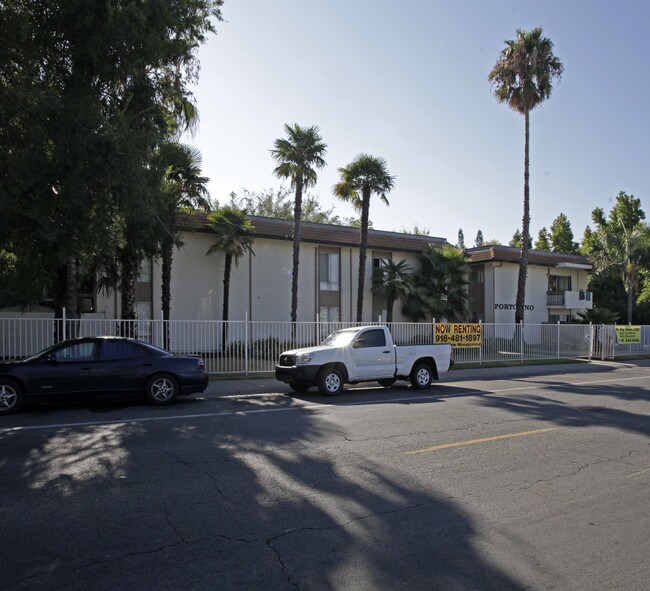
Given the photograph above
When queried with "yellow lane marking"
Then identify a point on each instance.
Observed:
(482, 440)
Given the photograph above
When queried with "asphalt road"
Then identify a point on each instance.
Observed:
(504, 479)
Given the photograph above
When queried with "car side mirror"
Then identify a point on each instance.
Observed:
(358, 344)
(51, 359)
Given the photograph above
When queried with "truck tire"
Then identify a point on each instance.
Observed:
(421, 375)
(330, 381)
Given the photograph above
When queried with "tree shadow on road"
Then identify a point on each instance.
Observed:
(267, 501)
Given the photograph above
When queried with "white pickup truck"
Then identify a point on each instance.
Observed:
(362, 354)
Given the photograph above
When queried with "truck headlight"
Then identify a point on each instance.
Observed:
(304, 358)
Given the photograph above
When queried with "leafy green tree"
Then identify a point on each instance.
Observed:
(233, 229)
(543, 241)
(440, 286)
(461, 239)
(523, 78)
(562, 236)
(416, 230)
(278, 203)
(621, 243)
(88, 90)
(364, 176)
(393, 280)
(589, 242)
(478, 241)
(297, 157)
(517, 240)
(182, 189)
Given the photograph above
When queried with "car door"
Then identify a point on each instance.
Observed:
(122, 366)
(373, 359)
(68, 369)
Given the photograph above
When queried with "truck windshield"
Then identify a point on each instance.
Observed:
(340, 338)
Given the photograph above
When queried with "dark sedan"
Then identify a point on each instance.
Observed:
(100, 368)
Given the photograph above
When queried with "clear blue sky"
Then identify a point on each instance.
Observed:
(407, 81)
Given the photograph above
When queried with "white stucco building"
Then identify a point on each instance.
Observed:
(556, 285)
(260, 285)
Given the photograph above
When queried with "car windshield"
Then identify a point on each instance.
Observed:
(340, 338)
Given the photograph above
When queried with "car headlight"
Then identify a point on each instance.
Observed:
(304, 358)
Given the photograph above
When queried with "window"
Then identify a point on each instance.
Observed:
(328, 271)
(477, 276)
(328, 314)
(76, 352)
(144, 275)
(372, 338)
(559, 283)
(114, 350)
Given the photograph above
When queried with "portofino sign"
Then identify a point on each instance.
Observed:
(512, 307)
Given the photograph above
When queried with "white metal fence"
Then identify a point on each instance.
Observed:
(248, 347)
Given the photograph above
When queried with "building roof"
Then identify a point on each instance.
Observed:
(509, 254)
(325, 234)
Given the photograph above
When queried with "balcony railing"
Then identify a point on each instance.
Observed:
(574, 300)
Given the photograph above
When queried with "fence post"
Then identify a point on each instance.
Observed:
(521, 341)
(558, 339)
(480, 349)
(246, 344)
(591, 340)
(604, 339)
(64, 332)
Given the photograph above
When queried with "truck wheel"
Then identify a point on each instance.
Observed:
(299, 386)
(330, 382)
(421, 376)
(386, 383)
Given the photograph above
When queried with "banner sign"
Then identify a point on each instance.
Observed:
(458, 335)
(628, 335)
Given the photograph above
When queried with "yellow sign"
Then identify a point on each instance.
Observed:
(628, 335)
(458, 335)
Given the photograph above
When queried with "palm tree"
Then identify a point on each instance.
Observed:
(440, 286)
(233, 228)
(393, 280)
(361, 178)
(182, 189)
(523, 78)
(598, 316)
(297, 157)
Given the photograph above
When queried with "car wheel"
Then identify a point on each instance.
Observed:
(421, 376)
(161, 389)
(386, 383)
(11, 396)
(330, 382)
(299, 386)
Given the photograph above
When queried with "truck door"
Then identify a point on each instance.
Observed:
(372, 357)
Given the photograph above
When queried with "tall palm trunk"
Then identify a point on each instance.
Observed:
(390, 302)
(226, 298)
(363, 246)
(525, 231)
(167, 257)
(71, 297)
(297, 214)
(127, 287)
